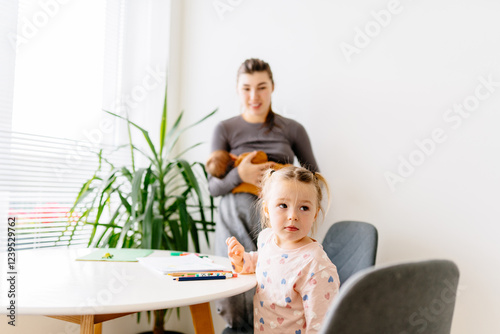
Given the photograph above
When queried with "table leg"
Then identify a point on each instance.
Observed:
(202, 318)
(87, 324)
(98, 328)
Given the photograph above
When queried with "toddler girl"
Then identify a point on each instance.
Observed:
(296, 279)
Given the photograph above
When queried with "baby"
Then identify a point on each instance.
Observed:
(220, 162)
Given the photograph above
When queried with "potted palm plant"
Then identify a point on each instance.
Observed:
(159, 206)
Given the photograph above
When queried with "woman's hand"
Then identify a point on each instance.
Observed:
(252, 173)
(235, 252)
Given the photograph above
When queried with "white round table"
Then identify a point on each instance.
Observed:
(51, 282)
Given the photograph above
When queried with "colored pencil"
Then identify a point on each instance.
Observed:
(203, 278)
(185, 253)
(215, 272)
(228, 275)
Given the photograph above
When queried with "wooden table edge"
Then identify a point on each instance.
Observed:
(92, 324)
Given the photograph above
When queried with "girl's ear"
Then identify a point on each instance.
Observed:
(316, 215)
(266, 210)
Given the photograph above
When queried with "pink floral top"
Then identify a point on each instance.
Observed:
(295, 286)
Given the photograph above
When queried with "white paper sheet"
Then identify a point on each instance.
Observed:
(179, 264)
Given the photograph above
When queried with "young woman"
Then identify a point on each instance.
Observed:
(296, 279)
(257, 128)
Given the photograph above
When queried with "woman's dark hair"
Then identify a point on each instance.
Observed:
(251, 66)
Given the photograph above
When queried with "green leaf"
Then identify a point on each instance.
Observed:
(176, 134)
(84, 191)
(111, 223)
(147, 224)
(174, 130)
(184, 223)
(212, 207)
(153, 161)
(163, 124)
(125, 203)
(135, 194)
(124, 231)
(194, 234)
(104, 195)
(126, 173)
(174, 227)
(189, 176)
(186, 150)
(157, 232)
(144, 132)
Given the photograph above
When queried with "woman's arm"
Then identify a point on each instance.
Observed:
(219, 187)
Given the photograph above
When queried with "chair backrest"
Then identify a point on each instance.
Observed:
(351, 246)
(398, 299)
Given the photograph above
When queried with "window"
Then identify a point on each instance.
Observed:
(72, 60)
(57, 104)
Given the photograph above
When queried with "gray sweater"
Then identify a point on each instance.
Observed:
(287, 139)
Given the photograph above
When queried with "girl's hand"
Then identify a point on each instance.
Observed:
(252, 173)
(235, 252)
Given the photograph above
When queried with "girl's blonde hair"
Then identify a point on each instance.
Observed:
(293, 173)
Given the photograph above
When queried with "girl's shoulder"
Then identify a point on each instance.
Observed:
(317, 266)
(317, 257)
(324, 269)
(264, 237)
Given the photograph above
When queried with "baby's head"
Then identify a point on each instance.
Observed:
(218, 163)
(293, 183)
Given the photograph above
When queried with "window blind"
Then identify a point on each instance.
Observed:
(41, 176)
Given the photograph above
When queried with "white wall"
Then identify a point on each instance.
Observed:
(364, 114)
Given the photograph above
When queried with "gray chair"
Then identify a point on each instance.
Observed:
(398, 299)
(351, 246)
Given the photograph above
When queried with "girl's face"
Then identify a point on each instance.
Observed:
(291, 209)
(255, 92)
